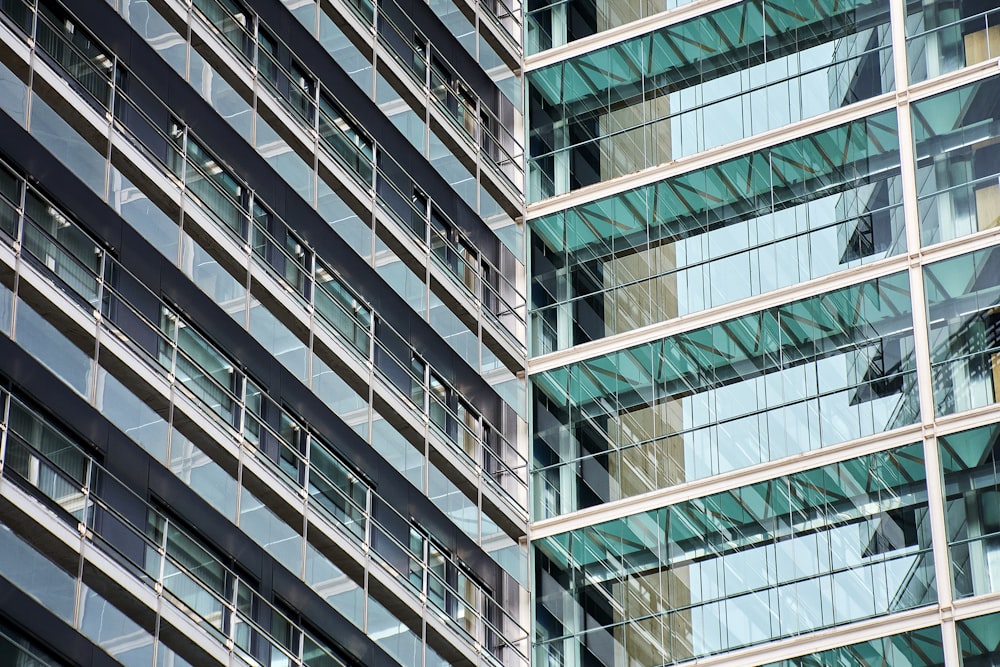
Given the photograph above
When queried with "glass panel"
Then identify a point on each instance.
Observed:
(337, 489)
(217, 189)
(44, 341)
(79, 55)
(19, 650)
(791, 555)
(208, 479)
(157, 32)
(63, 248)
(688, 87)
(61, 139)
(206, 372)
(958, 161)
(797, 211)
(762, 387)
(391, 634)
(231, 20)
(962, 295)
(341, 309)
(945, 36)
(919, 648)
(332, 584)
(268, 530)
(972, 508)
(978, 639)
(552, 23)
(143, 215)
(130, 414)
(10, 198)
(49, 443)
(36, 575)
(278, 339)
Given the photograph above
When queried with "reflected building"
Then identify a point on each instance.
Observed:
(763, 360)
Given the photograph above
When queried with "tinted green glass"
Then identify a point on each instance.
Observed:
(920, 648)
(551, 23)
(958, 164)
(962, 293)
(972, 509)
(978, 638)
(790, 555)
(797, 211)
(684, 88)
(791, 379)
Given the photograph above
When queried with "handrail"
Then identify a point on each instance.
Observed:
(364, 179)
(228, 225)
(159, 550)
(729, 97)
(105, 77)
(985, 15)
(238, 413)
(427, 80)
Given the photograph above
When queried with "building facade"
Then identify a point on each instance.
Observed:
(262, 387)
(446, 332)
(764, 279)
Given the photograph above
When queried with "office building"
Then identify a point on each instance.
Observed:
(582, 333)
(262, 378)
(764, 286)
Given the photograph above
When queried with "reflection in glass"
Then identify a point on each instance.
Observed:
(919, 648)
(972, 508)
(777, 383)
(946, 35)
(958, 161)
(552, 23)
(978, 639)
(684, 88)
(800, 210)
(816, 549)
(962, 295)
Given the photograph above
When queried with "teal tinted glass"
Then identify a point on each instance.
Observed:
(800, 210)
(962, 295)
(919, 648)
(794, 554)
(777, 383)
(978, 638)
(958, 163)
(943, 36)
(688, 87)
(552, 23)
(972, 508)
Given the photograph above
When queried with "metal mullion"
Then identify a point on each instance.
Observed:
(921, 338)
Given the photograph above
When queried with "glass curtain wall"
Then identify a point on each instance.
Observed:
(815, 549)
(774, 384)
(797, 211)
(699, 84)
(735, 482)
